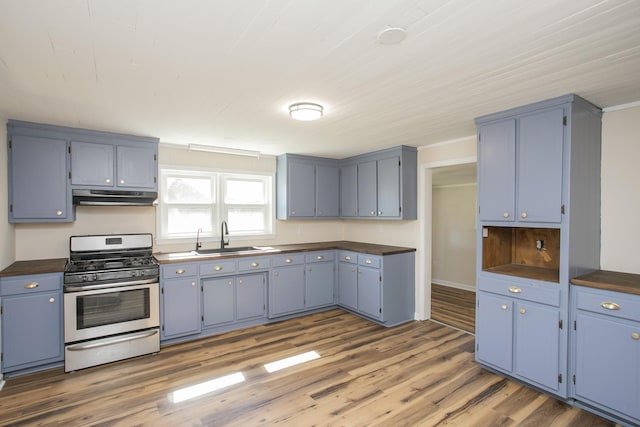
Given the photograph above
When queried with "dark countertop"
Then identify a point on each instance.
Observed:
(39, 266)
(367, 248)
(610, 281)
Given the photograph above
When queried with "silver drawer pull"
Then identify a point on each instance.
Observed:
(31, 285)
(320, 257)
(180, 271)
(515, 289)
(288, 260)
(347, 258)
(610, 305)
(367, 261)
(635, 336)
(255, 264)
(217, 268)
(503, 306)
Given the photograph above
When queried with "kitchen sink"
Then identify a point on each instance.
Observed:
(241, 249)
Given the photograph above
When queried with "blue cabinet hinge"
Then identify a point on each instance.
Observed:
(560, 324)
(564, 120)
(560, 378)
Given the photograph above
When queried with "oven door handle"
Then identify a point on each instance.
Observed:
(115, 340)
(80, 288)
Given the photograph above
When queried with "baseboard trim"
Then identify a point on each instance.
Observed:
(462, 286)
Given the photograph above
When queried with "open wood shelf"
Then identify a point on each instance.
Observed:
(527, 271)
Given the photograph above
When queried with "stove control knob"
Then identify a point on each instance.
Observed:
(133, 274)
(85, 278)
(94, 277)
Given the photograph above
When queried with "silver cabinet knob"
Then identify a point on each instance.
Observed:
(255, 264)
(230, 282)
(122, 181)
(180, 271)
(52, 300)
(241, 281)
(367, 261)
(504, 306)
(288, 260)
(347, 258)
(522, 311)
(515, 289)
(505, 214)
(276, 273)
(320, 257)
(293, 212)
(218, 268)
(523, 214)
(59, 213)
(107, 181)
(379, 212)
(193, 283)
(373, 212)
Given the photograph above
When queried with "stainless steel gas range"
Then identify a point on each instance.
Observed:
(111, 299)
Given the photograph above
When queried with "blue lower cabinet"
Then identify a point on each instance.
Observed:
(32, 333)
(494, 331)
(250, 296)
(319, 279)
(218, 301)
(286, 290)
(348, 285)
(606, 361)
(180, 307)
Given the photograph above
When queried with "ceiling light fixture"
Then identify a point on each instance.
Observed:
(224, 150)
(305, 111)
(391, 35)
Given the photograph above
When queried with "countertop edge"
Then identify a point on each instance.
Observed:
(367, 248)
(628, 283)
(37, 266)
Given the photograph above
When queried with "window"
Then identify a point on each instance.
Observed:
(193, 199)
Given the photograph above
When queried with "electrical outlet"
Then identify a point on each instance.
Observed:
(485, 232)
(540, 244)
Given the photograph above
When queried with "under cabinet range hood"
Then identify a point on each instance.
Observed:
(114, 198)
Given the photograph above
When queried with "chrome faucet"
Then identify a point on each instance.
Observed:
(224, 231)
(198, 244)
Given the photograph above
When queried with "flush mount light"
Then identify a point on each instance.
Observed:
(305, 111)
(392, 35)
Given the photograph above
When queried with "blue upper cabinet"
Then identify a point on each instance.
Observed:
(521, 166)
(307, 187)
(46, 162)
(378, 185)
(38, 178)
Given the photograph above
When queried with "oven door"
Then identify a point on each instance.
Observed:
(102, 312)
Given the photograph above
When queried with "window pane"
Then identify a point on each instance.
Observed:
(188, 190)
(244, 192)
(182, 220)
(245, 219)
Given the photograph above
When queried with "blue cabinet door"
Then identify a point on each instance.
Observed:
(286, 290)
(537, 341)
(319, 284)
(92, 164)
(250, 296)
(496, 171)
(327, 191)
(607, 365)
(301, 186)
(181, 307)
(137, 166)
(389, 187)
(31, 330)
(369, 292)
(348, 285)
(494, 331)
(38, 180)
(368, 189)
(218, 301)
(540, 137)
(349, 191)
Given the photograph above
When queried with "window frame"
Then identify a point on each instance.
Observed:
(219, 207)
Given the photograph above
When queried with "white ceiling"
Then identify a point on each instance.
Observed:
(223, 72)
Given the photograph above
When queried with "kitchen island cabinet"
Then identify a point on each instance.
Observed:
(32, 330)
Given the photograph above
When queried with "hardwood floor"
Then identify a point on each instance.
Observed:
(416, 374)
(454, 307)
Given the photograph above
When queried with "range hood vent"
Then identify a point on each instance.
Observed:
(114, 198)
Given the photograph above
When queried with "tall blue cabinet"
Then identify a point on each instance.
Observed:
(538, 227)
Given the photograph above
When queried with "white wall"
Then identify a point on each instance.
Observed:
(620, 195)
(7, 234)
(453, 245)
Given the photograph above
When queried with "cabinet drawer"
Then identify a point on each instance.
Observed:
(171, 271)
(30, 284)
(369, 261)
(534, 291)
(319, 256)
(610, 303)
(217, 267)
(249, 264)
(289, 259)
(347, 256)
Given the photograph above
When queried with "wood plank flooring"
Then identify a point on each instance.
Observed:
(416, 374)
(455, 307)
